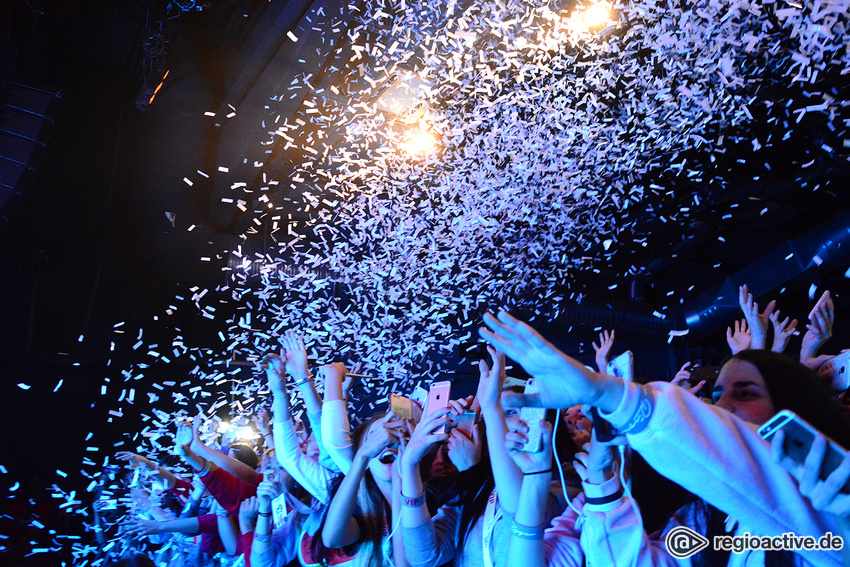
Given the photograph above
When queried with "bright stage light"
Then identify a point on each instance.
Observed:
(596, 16)
(420, 142)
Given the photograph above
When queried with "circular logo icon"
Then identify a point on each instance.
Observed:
(682, 542)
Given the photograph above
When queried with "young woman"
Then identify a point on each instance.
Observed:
(711, 451)
(359, 517)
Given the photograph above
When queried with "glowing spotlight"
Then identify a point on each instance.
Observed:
(596, 17)
(420, 142)
(247, 433)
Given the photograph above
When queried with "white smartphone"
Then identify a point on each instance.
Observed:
(841, 372)
(532, 417)
(623, 366)
(799, 436)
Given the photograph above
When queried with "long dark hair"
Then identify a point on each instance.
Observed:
(794, 387)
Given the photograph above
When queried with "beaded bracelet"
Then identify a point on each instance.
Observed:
(527, 532)
(413, 502)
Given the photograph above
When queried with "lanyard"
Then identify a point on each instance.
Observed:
(491, 515)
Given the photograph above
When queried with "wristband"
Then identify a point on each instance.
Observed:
(537, 472)
(264, 514)
(205, 470)
(263, 538)
(305, 380)
(640, 418)
(604, 499)
(223, 515)
(527, 532)
(413, 502)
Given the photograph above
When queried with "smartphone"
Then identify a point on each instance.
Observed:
(799, 436)
(708, 374)
(841, 372)
(401, 406)
(623, 366)
(438, 398)
(418, 399)
(465, 422)
(532, 417)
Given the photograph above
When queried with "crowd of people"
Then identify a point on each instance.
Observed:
(488, 481)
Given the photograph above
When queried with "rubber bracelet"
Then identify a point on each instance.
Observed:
(205, 470)
(264, 514)
(537, 472)
(413, 502)
(527, 532)
(604, 499)
(223, 515)
(263, 538)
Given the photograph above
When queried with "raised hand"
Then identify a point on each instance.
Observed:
(683, 376)
(819, 329)
(184, 437)
(527, 462)
(782, 331)
(562, 381)
(424, 436)
(267, 490)
(140, 527)
(465, 452)
(603, 349)
(825, 494)
(381, 435)
(262, 419)
(491, 379)
(740, 339)
(134, 460)
(596, 462)
(757, 322)
(275, 374)
(295, 355)
(248, 511)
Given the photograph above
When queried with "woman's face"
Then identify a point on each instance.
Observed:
(740, 388)
(381, 466)
(578, 425)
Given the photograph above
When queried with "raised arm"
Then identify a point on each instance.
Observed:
(295, 364)
(340, 528)
(525, 546)
(758, 322)
(740, 339)
(307, 472)
(603, 349)
(505, 472)
(782, 331)
(135, 460)
(233, 466)
(819, 329)
(336, 429)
